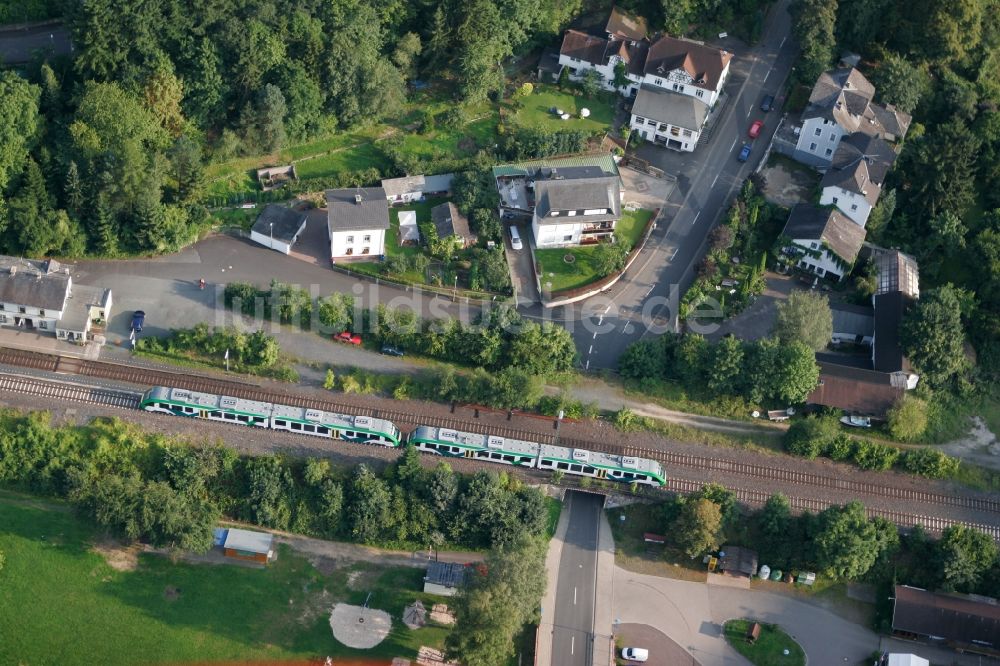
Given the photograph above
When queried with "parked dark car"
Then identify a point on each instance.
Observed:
(138, 319)
(767, 104)
(389, 350)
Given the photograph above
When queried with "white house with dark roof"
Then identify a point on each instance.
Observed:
(357, 219)
(840, 104)
(278, 227)
(41, 295)
(575, 206)
(854, 180)
(668, 119)
(825, 242)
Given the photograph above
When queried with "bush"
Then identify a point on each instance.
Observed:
(908, 418)
(840, 449)
(929, 462)
(874, 456)
(811, 436)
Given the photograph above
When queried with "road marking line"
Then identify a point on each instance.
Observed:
(749, 111)
(782, 42)
(650, 290)
(767, 75)
(714, 181)
(595, 336)
(734, 143)
(695, 218)
(574, 596)
(589, 351)
(588, 364)
(600, 320)
(607, 308)
(676, 250)
(572, 644)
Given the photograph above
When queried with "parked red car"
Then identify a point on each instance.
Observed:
(348, 337)
(755, 129)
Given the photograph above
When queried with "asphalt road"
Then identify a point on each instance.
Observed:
(574, 611)
(19, 45)
(645, 301)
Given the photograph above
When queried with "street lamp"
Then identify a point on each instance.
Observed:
(270, 227)
(454, 293)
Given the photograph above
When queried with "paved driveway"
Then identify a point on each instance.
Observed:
(692, 614)
(522, 273)
(757, 321)
(662, 650)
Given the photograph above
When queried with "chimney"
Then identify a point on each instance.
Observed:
(357, 198)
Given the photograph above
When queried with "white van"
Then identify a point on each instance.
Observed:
(635, 654)
(515, 238)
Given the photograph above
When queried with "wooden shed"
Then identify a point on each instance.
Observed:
(247, 545)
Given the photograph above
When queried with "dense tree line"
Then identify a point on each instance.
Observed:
(169, 493)
(764, 371)
(937, 61)
(839, 542)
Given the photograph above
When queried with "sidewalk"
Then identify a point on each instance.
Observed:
(604, 596)
(543, 651)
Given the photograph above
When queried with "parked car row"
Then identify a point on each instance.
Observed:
(756, 127)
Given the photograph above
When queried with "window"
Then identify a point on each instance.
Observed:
(365, 250)
(663, 127)
(678, 87)
(833, 136)
(576, 468)
(562, 466)
(814, 245)
(42, 324)
(22, 309)
(819, 131)
(686, 132)
(658, 82)
(349, 251)
(368, 238)
(571, 213)
(675, 131)
(554, 213)
(699, 93)
(651, 123)
(854, 206)
(640, 120)
(829, 151)
(350, 240)
(820, 271)
(280, 423)
(41, 312)
(568, 239)
(812, 146)
(835, 201)
(3, 319)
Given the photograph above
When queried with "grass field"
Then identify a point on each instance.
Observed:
(583, 269)
(392, 246)
(534, 111)
(769, 648)
(62, 603)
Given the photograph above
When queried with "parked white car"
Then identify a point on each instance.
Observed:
(635, 654)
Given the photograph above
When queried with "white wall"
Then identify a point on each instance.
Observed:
(554, 235)
(681, 82)
(823, 266)
(266, 241)
(664, 131)
(578, 67)
(851, 204)
(824, 144)
(342, 241)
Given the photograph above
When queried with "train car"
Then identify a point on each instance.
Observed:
(504, 450)
(582, 462)
(183, 402)
(362, 429)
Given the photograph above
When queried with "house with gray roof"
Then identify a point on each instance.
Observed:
(575, 206)
(841, 103)
(824, 240)
(449, 221)
(357, 221)
(414, 188)
(854, 180)
(278, 227)
(668, 119)
(41, 295)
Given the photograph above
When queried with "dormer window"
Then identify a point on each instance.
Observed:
(554, 213)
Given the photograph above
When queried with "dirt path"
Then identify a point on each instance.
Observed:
(980, 446)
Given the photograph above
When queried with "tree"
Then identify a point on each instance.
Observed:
(690, 359)
(726, 366)
(441, 489)
(697, 526)
(163, 93)
(775, 517)
(206, 87)
(610, 257)
(268, 123)
(881, 214)
(621, 79)
(439, 45)
(187, 169)
(405, 54)
(933, 336)
(939, 169)
(73, 191)
(796, 373)
(954, 30)
(269, 481)
(809, 437)
(592, 82)
(19, 109)
(643, 359)
(483, 44)
(859, 22)
(848, 543)
(900, 83)
(369, 513)
(813, 25)
(501, 597)
(966, 554)
(542, 349)
(805, 317)
(908, 417)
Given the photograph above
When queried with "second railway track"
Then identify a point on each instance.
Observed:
(147, 377)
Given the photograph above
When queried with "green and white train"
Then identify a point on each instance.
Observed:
(182, 402)
(368, 430)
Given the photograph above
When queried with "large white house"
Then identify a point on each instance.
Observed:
(675, 81)
(42, 296)
(841, 103)
(575, 206)
(854, 180)
(825, 242)
(357, 219)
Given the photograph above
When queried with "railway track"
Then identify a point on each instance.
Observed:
(73, 392)
(153, 377)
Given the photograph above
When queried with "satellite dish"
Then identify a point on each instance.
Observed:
(584, 113)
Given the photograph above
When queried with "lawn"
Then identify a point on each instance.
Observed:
(61, 602)
(392, 246)
(534, 111)
(237, 217)
(769, 648)
(583, 268)
(354, 158)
